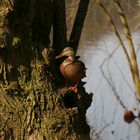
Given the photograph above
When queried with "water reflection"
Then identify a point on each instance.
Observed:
(108, 77)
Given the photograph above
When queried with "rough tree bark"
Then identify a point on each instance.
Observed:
(32, 103)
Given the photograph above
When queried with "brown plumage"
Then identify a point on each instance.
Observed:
(72, 68)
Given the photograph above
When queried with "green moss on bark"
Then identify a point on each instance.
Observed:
(31, 104)
(34, 106)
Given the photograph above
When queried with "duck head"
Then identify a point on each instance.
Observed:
(68, 51)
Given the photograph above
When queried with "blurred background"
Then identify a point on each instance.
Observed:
(108, 75)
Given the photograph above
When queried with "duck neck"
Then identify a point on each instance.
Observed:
(71, 58)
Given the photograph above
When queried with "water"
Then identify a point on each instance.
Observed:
(109, 78)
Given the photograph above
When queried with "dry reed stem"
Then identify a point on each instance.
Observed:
(119, 38)
(133, 58)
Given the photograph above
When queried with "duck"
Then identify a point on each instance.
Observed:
(71, 67)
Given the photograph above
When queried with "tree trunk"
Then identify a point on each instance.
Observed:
(78, 24)
(32, 105)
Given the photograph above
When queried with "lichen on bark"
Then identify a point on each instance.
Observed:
(35, 106)
(32, 105)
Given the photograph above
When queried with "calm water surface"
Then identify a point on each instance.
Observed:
(108, 77)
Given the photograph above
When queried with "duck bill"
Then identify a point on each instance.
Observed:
(59, 56)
